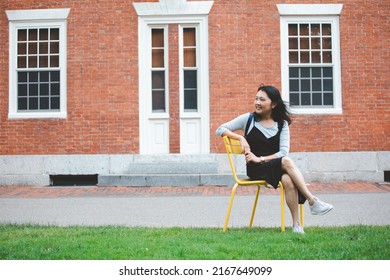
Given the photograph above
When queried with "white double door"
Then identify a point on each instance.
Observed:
(173, 89)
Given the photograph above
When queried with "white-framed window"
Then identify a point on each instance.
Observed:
(37, 63)
(189, 68)
(310, 58)
(159, 69)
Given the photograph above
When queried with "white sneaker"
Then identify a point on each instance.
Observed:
(297, 228)
(319, 207)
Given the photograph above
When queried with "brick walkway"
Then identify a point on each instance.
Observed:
(94, 191)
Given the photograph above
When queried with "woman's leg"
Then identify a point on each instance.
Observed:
(291, 197)
(297, 178)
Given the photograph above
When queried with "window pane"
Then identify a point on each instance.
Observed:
(311, 87)
(22, 103)
(293, 57)
(55, 103)
(44, 76)
(306, 99)
(190, 57)
(303, 29)
(316, 57)
(43, 34)
(33, 103)
(304, 43)
(190, 100)
(36, 88)
(54, 89)
(328, 98)
(22, 62)
(55, 48)
(305, 72)
(55, 76)
(22, 90)
(327, 43)
(189, 37)
(305, 57)
(293, 29)
(315, 43)
(32, 48)
(22, 77)
(43, 61)
(54, 61)
(22, 35)
(22, 48)
(33, 90)
(328, 72)
(44, 48)
(294, 99)
(293, 43)
(33, 77)
(158, 58)
(54, 34)
(316, 72)
(305, 85)
(158, 91)
(294, 72)
(190, 79)
(316, 85)
(317, 99)
(157, 38)
(190, 90)
(33, 34)
(294, 85)
(158, 100)
(44, 89)
(32, 62)
(327, 57)
(315, 29)
(158, 80)
(44, 103)
(328, 85)
(326, 30)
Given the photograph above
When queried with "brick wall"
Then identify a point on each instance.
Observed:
(244, 52)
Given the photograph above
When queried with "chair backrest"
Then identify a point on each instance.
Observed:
(233, 147)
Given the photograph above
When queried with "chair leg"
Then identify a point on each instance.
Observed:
(229, 207)
(302, 215)
(282, 207)
(254, 206)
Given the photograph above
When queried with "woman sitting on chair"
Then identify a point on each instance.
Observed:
(266, 144)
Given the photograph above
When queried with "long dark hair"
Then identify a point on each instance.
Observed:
(280, 113)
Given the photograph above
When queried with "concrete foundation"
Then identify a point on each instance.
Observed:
(184, 170)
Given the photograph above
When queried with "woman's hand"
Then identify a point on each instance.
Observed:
(244, 145)
(250, 157)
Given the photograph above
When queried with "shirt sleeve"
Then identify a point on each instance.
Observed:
(284, 143)
(238, 123)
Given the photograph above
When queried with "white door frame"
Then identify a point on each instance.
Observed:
(153, 127)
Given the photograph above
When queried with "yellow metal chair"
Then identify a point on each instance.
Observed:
(233, 146)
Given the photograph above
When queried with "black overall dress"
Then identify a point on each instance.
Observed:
(271, 171)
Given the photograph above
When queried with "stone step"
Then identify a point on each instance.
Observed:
(171, 168)
(151, 180)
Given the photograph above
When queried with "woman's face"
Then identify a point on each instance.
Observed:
(263, 104)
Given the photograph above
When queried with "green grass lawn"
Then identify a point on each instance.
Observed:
(28, 242)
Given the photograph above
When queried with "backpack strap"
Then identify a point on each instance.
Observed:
(248, 123)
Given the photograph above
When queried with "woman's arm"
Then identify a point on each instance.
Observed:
(229, 128)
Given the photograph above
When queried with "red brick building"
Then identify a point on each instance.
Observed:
(89, 87)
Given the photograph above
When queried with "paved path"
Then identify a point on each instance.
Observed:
(199, 206)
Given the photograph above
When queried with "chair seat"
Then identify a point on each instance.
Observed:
(249, 182)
